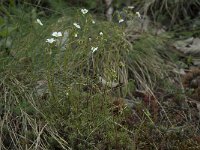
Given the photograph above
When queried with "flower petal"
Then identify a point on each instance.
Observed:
(121, 20)
(51, 40)
(93, 49)
(138, 14)
(56, 34)
(84, 11)
(77, 25)
(59, 34)
(39, 22)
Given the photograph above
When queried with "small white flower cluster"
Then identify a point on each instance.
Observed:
(59, 34)
(84, 11)
(93, 49)
(55, 34)
(137, 13)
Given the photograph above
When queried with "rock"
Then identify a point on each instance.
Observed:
(41, 88)
(190, 46)
(196, 61)
(179, 71)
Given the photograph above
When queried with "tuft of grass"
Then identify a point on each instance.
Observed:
(53, 96)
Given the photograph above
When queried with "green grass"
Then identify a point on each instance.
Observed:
(51, 96)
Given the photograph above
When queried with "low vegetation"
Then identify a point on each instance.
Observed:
(69, 79)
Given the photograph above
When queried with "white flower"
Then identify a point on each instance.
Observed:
(93, 22)
(101, 33)
(84, 11)
(51, 40)
(138, 14)
(57, 34)
(131, 7)
(39, 22)
(90, 39)
(76, 35)
(121, 20)
(93, 49)
(77, 25)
